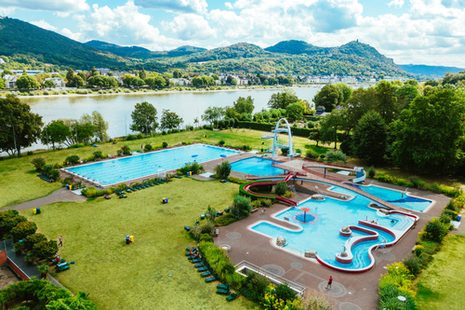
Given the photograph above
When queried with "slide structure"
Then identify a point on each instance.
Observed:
(248, 189)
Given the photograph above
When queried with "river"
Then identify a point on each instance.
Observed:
(116, 109)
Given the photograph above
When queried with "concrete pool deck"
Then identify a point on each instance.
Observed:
(350, 291)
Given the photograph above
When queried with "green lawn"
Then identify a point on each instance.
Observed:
(151, 272)
(441, 285)
(19, 183)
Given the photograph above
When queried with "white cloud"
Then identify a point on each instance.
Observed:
(48, 5)
(5, 11)
(396, 3)
(125, 25)
(77, 36)
(190, 27)
(189, 6)
(43, 24)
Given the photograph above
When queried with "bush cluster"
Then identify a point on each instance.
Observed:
(398, 281)
(23, 232)
(194, 167)
(223, 170)
(41, 294)
(47, 172)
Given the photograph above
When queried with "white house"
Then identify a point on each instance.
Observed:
(180, 82)
(10, 81)
(59, 82)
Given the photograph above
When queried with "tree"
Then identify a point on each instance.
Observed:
(99, 125)
(202, 81)
(2, 83)
(387, 104)
(132, 81)
(23, 229)
(177, 74)
(45, 249)
(427, 134)
(213, 114)
(329, 126)
(282, 100)
(49, 84)
(26, 82)
(74, 80)
(330, 96)
(244, 105)
(82, 131)
(8, 220)
(223, 170)
(230, 80)
(19, 127)
(55, 132)
(156, 81)
(241, 206)
(102, 81)
(370, 138)
(295, 112)
(144, 118)
(170, 120)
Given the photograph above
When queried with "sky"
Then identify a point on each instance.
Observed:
(409, 31)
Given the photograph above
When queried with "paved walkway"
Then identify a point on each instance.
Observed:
(61, 195)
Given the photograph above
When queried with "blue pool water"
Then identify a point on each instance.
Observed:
(322, 235)
(118, 170)
(397, 198)
(256, 166)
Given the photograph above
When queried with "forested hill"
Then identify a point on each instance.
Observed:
(140, 52)
(433, 72)
(18, 37)
(33, 45)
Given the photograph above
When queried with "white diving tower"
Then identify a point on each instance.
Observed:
(286, 129)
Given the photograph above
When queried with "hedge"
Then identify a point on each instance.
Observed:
(220, 264)
(298, 132)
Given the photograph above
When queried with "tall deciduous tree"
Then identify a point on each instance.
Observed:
(213, 114)
(330, 96)
(170, 120)
(26, 82)
(55, 132)
(427, 133)
(19, 127)
(144, 118)
(99, 124)
(282, 100)
(370, 138)
(329, 126)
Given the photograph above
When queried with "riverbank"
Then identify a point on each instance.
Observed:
(127, 91)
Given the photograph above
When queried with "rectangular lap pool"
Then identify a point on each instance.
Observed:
(257, 166)
(124, 169)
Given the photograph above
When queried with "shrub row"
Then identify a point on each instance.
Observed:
(47, 172)
(41, 294)
(34, 245)
(447, 190)
(400, 275)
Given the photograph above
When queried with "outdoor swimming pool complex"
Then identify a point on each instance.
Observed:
(397, 198)
(124, 169)
(323, 233)
(257, 166)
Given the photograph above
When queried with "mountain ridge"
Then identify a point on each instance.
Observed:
(286, 57)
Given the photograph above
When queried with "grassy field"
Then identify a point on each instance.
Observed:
(151, 272)
(441, 285)
(19, 183)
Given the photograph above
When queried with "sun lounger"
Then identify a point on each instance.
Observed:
(223, 286)
(232, 296)
(202, 269)
(205, 274)
(210, 279)
(222, 291)
(198, 265)
(196, 260)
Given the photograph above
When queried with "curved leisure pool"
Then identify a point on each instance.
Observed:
(323, 233)
(113, 171)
